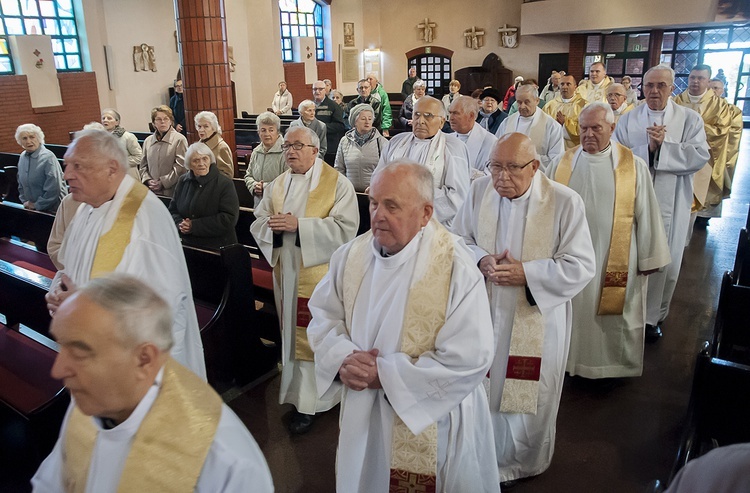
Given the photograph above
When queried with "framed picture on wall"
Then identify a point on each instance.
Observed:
(348, 34)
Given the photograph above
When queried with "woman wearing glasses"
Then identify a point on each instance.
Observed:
(163, 154)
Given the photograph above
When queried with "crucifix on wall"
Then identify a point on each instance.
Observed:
(474, 38)
(508, 36)
(427, 30)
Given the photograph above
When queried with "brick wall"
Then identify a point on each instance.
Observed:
(577, 55)
(80, 106)
(294, 74)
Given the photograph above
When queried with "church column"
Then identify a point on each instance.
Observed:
(201, 28)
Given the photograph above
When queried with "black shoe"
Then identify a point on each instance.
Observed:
(701, 222)
(653, 333)
(301, 423)
(506, 485)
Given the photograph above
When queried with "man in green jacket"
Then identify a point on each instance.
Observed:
(385, 103)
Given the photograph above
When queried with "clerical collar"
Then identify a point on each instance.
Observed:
(604, 152)
(140, 411)
(622, 107)
(525, 118)
(696, 99)
(566, 100)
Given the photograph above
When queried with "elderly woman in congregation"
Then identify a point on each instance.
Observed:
(209, 131)
(205, 206)
(405, 115)
(163, 154)
(282, 100)
(40, 177)
(359, 150)
(307, 119)
(111, 123)
(267, 160)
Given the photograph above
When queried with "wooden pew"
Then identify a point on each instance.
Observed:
(57, 149)
(26, 224)
(718, 410)
(246, 198)
(363, 202)
(742, 259)
(731, 337)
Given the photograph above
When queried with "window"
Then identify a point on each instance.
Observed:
(54, 18)
(301, 18)
(435, 70)
(622, 54)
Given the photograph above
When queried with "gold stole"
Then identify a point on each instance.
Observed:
(521, 388)
(112, 244)
(319, 204)
(612, 300)
(170, 446)
(413, 457)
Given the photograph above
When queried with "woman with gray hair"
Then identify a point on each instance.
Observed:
(111, 123)
(359, 150)
(209, 131)
(267, 160)
(40, 177)
(205, 206)
(404, 116)
(307, 119)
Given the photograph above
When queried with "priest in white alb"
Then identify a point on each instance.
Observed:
(121, 227)
(672, 140)
(542, 129)
(463, 115)
(306, 213)
(138, 420)
(628, 236)
(444, 155)
(530, 239)
(402, 322)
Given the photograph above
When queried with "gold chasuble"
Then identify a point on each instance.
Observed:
(570, 109)
(717, 121)
(413, 457)
(612, 300)
(170, 446)
(112, 244)
(521, 389)
(320, 201)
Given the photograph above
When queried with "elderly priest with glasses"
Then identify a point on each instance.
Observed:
(444, 155)
(530, 239)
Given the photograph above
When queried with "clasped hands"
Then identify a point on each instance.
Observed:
(59, 293)
(359, 371)
(155, 185)
(280, 223)
(502, 269)
(656, 134)
(185, 226)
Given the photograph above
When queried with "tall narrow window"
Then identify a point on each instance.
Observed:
(54, 18)
(301, 18)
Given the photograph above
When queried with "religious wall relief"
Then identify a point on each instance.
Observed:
(144, 58)
(508, 36)
(474, 38)
(427, 28)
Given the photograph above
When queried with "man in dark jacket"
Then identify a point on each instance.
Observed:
(332, 115)
(177, 105)
(364, 90)
(408, 86)
(490, 115)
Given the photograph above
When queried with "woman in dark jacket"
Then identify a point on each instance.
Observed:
(205, 206)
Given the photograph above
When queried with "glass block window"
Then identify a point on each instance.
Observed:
(54, 18)
(435, 70)
(301, 18)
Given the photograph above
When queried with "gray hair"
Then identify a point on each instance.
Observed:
(112, 112)
(141, 314)
(528, 88)
(314, 139)
(209, 117)
(420, 83)
(609, 115)
(94, 126)
(104, 144)
(441, 107)
(305, 104)
(354, 113)
(662, 67)
(268, 118)
(465, 104)
(200, 149)
(616, 85)
(425, 185)
(29, 128)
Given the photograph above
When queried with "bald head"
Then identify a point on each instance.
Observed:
(513, 163)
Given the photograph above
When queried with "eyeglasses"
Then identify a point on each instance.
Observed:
(427, 116)
(511, 169)
(297, 146)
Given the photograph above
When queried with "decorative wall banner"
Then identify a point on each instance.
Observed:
(348, 34)
(349, 65)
